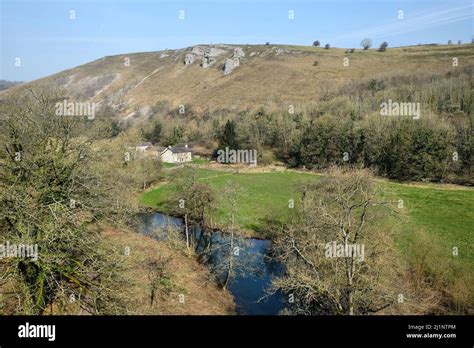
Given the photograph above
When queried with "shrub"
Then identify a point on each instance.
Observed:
(412, 149)
(383, 46)
(366, 43)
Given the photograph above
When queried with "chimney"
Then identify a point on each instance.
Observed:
(186, 145)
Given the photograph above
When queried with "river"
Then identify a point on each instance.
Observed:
(252, 268)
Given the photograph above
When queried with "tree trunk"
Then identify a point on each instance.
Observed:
(231, 255)
(350, 276)
(230, 262)
(186, 229)
(350, 301)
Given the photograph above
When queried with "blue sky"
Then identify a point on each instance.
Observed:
(45, 38)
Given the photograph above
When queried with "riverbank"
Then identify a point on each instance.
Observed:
(185, 287)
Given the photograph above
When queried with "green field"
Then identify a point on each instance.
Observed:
(434, 220)
(439, 221)
(446, 215)
(261, 196)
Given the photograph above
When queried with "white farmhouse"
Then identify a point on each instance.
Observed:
(170, 154)
(176, 154)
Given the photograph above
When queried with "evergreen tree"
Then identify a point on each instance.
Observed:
(228, 137)
(154, 135)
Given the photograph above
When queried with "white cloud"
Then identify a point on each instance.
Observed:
(412, 23)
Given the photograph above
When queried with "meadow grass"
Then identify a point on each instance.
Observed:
(436, 238)
(261, 196)
(434, 218)
(446, 215)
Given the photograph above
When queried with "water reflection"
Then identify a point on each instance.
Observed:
(247, 259)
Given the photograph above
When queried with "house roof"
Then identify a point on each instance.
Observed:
(177, 149)
(180, 149)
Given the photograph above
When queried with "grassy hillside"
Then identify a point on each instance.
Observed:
(337, 113)
(273, 76)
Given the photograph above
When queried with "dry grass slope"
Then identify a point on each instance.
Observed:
(274, 76)
(187, 276)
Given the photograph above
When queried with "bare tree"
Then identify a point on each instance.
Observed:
(160, 280)
(193, 200)
(366, 43)
(231, 256)
(334, 250)
(230, 193)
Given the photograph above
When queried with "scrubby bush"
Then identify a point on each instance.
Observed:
(399, 148)
(383, 46)
(323, 143)
(366, 43)
(415, 150)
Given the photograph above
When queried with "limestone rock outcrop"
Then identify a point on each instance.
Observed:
(230, 64)
(198, 50)
(188, 59)
(238, 53)
(207, 59)
(209, 55)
